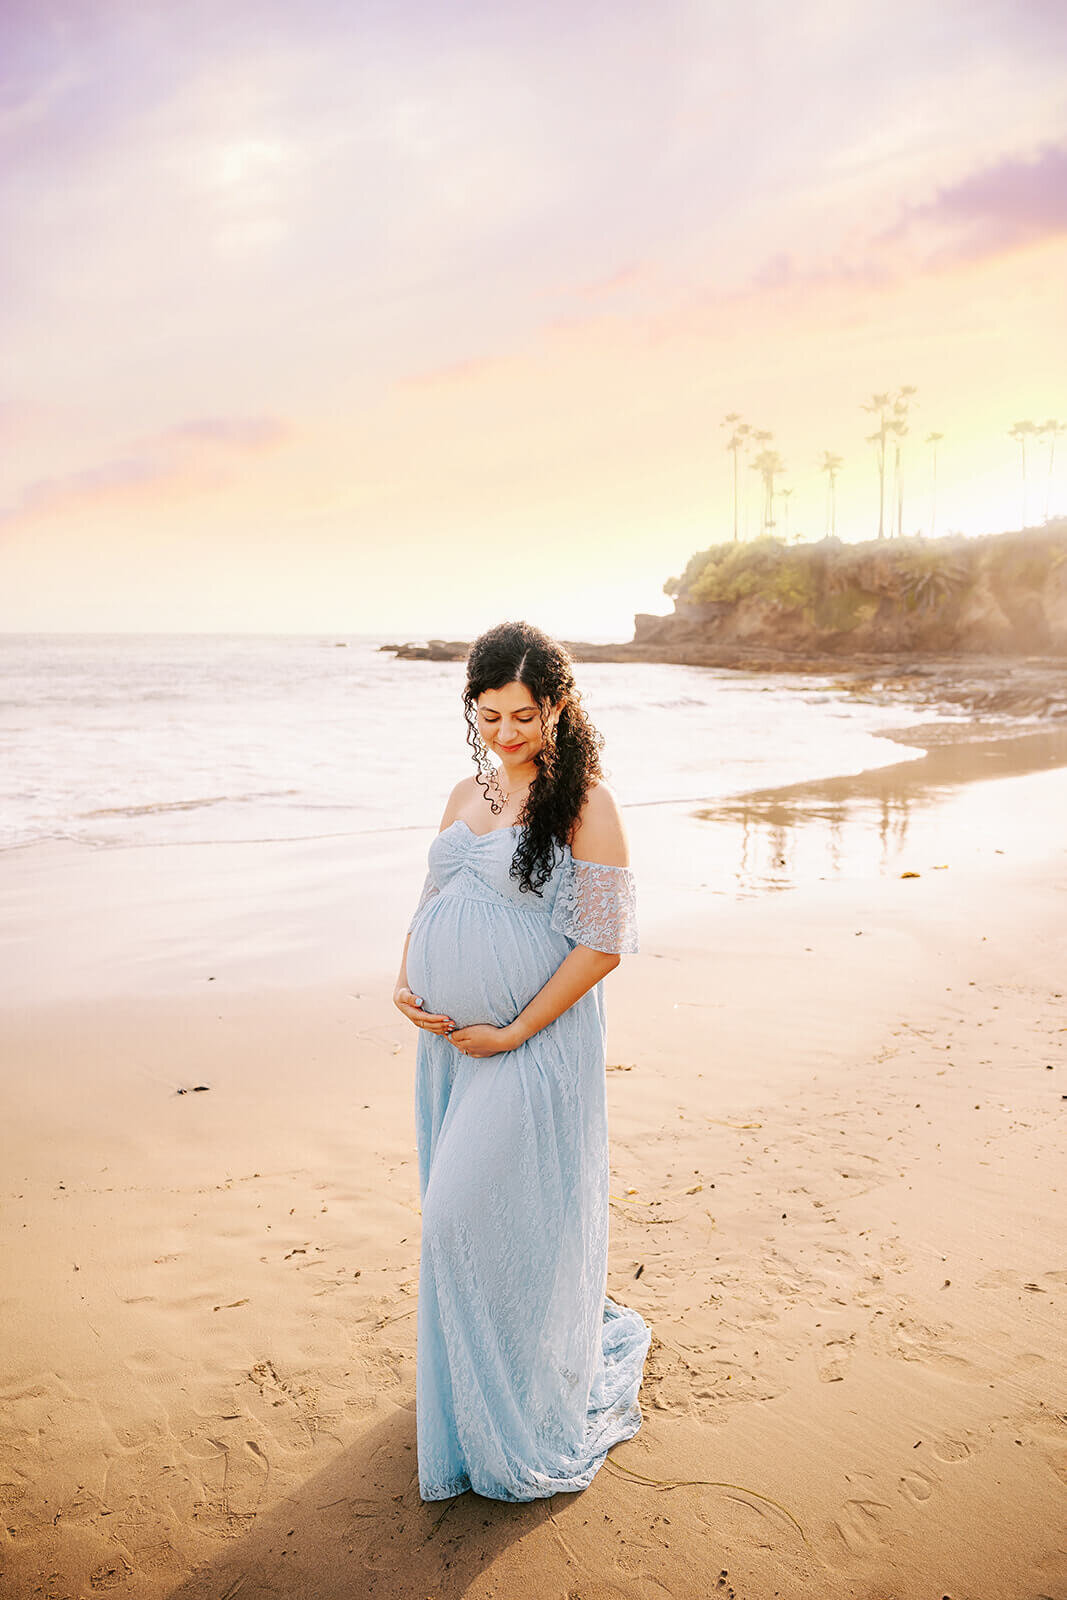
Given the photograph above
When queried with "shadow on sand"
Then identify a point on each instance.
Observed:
(359, 1528)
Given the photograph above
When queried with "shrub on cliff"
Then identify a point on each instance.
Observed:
(898, 593)
(727, 573)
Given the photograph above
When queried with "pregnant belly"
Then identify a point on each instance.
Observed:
(476, 961)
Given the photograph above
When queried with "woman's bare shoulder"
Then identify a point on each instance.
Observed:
(459, 800)
(599, 834)
(600, 801)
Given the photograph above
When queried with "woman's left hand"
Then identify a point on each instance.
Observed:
(481, 1039)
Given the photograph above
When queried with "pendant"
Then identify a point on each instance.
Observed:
(495, 787)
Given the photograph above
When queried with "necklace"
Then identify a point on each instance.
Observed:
(505, 799)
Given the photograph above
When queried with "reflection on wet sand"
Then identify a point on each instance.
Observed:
(870, 821)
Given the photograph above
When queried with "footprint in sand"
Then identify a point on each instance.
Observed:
(701, 1388)
(832, 1362)
(948, 1449)
(110, 1574)
(916, 1486)
(360, 1514)
(859, 1526)
(228, 1508)
(16, 1509)
(910, 1339)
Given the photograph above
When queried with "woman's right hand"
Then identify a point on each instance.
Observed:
(411, 1006)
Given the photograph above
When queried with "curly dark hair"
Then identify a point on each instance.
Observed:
(567, 764)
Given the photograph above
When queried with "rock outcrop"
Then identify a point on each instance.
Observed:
(1001, 594)
(432, 650)
(960, 605)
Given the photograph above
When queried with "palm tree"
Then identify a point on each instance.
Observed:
(759, 436)
(896, 424)
(1052, 428)
(1022, 431)
(900, 414)
(768, 464)
(737, 439)
(831, 464)
(787, 495)
(880, 403)
(934, 439)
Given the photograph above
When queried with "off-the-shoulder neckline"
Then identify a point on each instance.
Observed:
(510, 828)
(489, 832)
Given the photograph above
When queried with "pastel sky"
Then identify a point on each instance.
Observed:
(408, 317)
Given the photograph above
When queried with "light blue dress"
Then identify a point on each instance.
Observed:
(526, 1371)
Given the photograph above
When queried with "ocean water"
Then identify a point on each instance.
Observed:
(120, 740)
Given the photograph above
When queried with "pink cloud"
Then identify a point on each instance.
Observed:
(453, 372)
(990, 212)
(242, 433)
(781, 271)
(997, 208)
(189, 458)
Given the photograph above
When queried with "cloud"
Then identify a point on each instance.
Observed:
(191, 457)
(996, 209)
(782, 271)
(453, 372)
(241, 433)
(992, 211)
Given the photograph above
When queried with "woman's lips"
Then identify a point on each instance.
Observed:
(510, 747)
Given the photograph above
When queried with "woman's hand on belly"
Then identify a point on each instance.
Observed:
(482, 1039)
(411, 1006)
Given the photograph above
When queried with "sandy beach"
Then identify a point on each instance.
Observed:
(836, 1099)
(397, 399)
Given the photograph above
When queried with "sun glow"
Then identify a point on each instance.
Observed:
(418, 326)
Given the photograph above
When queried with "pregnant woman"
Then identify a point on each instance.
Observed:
(527, 1372)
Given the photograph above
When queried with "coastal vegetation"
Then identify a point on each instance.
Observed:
(1000, 592)
(769, 605)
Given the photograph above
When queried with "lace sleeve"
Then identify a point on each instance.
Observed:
(429, 889)
(596, 905)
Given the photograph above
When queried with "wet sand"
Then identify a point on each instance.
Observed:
(836, 1099)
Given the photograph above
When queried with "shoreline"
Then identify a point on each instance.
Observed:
(251, 913)
(999, 700)
(989, 682)
(1026, 741)
(835, 1166)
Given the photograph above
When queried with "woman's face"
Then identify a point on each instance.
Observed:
(509, 721)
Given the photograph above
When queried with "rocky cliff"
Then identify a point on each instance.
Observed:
(1003, 594)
